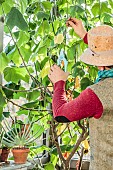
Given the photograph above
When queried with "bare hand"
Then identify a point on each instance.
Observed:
(77, 25)
(57, 74)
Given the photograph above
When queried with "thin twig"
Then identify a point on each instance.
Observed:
(69, 131)
(29, 90)
(81, 156)
(55, 137)
(31, 109)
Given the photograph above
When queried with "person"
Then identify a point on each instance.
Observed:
(96, 101)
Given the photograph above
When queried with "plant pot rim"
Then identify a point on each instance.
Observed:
(5, 148)
(20, 150)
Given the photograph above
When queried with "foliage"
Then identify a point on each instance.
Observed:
(37, 34)
(20, 136)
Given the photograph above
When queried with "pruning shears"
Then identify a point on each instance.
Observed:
(61, 61)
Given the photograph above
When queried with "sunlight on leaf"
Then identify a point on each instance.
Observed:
(45, 70)
(15, 74)
(58, 39)
(3, 62)
(50, 166)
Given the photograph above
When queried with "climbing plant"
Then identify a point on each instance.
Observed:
(36, 32)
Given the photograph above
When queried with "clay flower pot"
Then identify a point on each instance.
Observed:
(20, 155)
(4, 154)
(0, 154)
(0, 151)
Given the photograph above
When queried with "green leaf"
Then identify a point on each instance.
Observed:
(74, 139)
(1, 2)
(66, 140)
(15, 18)
(35, 114)
(1, 111)
(111, 3)
(107, 17)
(76, 8)
(45, 70)
(23, 5)
(42, 50)
(71, 52)
(22, 112)
(23, 38)
(42, 15)
(85, 82)
(1, 116)
(7, 5)
(17, 95)
(33, 104)
(81, 1)
(44, 61)
(76, 94)
(9, 93)
(33, 95)
(38, 66)
(9, 48)
(104, 7)
(43, 28)
(93, 72)
(14, 56)
(38, 128)
(47, 5)
(6, 114)
(96, 9)
(56, 24)
(53, 159)
(100, 8)
(26, 52)
(49, 166)
(2, 103)
(15, 74)
(64, 148)
(4, 60)
(2, 99)
(39, 149)
(78, 72)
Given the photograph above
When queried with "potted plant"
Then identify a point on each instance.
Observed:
(19, 138)
(4, 150)
(1, 135)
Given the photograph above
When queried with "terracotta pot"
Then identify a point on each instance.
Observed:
(0, 154)
(20, 155)
(4, 154)
(0, 151)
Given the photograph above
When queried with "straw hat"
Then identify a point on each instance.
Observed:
(100, 47)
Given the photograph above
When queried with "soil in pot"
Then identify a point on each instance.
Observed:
(20, 155)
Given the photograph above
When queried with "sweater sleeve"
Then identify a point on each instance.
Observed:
(87, 104)
(85, 39)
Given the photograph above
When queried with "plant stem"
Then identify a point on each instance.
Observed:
(29, 90)
(27, 108)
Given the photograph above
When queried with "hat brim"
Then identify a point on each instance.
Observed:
(98, 59)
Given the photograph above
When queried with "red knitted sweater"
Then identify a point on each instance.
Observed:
(87, 104)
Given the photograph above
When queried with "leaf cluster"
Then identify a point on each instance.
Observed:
(19, 136)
